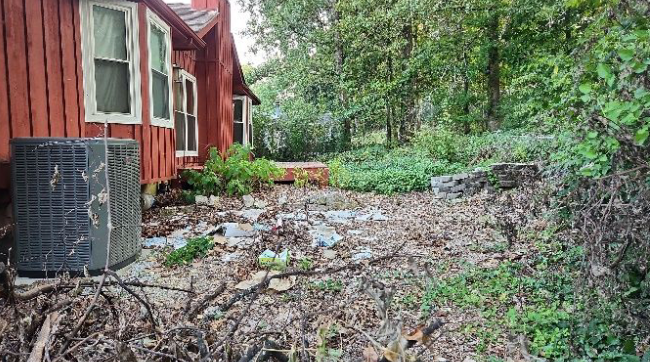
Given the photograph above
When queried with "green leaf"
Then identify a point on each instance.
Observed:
(585, 88)
(641, 136)
(604, 71)
(626, 54)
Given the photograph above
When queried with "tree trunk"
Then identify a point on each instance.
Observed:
(408, 98)
(494, 75)
(339, 60)
(466, 126)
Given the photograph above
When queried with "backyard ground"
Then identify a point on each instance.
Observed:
(396, 248)
(383, 282)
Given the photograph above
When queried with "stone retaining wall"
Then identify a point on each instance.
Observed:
(498, 176)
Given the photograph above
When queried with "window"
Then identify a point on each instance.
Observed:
(242, 125)
(238, 122)
(159, 71)
(187, 130)
(111, 61)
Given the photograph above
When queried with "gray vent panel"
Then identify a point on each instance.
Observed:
(54, 181)
(50, 202)
(124, 180)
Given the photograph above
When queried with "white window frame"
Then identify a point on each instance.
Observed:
(244, 115)
(184, 75)
(154, 20)
(88, 60)
(249, 115)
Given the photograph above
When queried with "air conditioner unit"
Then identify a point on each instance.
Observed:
(60, 204)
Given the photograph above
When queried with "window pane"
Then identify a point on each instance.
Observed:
(191, 134)
(239, 109)
(112, 87)
(160, 88)
(178, 94)
(238, 132)
(179, 120)
(158, 49)
(189, 86)
(110, 33)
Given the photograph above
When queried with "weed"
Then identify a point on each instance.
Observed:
(305, 264)
(232, 172)
(300, 177)
(195, 248)
(328, 285)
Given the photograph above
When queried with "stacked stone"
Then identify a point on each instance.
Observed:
(462, 184)
(511, 175)
(508, 175)
(449, 187)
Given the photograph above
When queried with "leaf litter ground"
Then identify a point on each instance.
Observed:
(390, 251)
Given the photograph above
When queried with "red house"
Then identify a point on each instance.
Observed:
(165, 75)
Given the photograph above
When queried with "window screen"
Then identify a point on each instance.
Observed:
(111, 59)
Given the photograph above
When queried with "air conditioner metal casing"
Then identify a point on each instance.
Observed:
(60, 209)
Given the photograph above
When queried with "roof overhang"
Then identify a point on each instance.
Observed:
(183, 37)
(239, 85)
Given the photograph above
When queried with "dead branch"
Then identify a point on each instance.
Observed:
(202, 304)
(135, 295)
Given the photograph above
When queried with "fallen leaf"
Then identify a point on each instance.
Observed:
(278, 284)
(418, 336)
(219, 239)
(282, 284)
(369, 354)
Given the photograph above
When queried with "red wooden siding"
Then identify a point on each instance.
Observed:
(40, 89)
(213, 69)
(42, 95)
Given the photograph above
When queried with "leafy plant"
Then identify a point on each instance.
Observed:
(328, 285)
(305, 264)
(300, 177)
(232, 172)
(195, 248)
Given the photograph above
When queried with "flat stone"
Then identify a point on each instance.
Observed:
(507, 184)
(460, 176)
(449, 184)
(201, 200)
(248, 200)
(444, 178)
(441, 195)
(453, 195)
(329, 254)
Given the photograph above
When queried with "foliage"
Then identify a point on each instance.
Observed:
(328, 285)
(432, 153)
(232, 172)
(379, 170)
(195, 248)
(301, 177)
(552, 316)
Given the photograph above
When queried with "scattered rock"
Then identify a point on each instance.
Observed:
(248, 200)
(201, 200)
(362, 254)
(237, 230)
(329, 254)
(325, 236)
(260, 204)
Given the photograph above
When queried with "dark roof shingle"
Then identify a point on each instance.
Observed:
(195, 18)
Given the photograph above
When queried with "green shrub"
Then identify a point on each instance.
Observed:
(232, 172)
(376, 169)
(195, 248)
